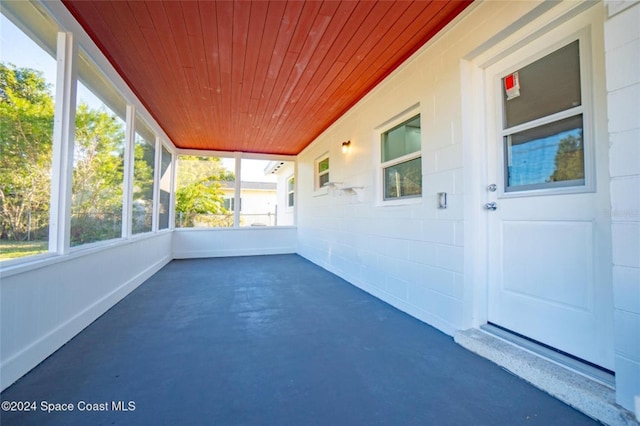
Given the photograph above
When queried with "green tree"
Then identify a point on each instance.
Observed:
(569, 160)
(144, 157)
(199, 194)
(97, 176)
(26, 131)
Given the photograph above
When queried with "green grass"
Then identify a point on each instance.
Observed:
(15, 249)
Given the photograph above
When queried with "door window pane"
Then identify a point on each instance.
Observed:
(549, 155)
(546, 86)
(403, 179)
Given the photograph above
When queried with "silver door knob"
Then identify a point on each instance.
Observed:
(493, 206)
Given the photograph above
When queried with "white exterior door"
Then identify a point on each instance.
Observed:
(549, 252)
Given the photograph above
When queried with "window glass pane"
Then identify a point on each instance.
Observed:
(202, 185)
(96, 206)
(165, 189)
(264, 192)
(403, 179)
(324, 179)
(143, 172)
(401, 140)
(540, 157)
(322, 175)
(323, 165)
(27, 78)
(290, 191)
(546, 86)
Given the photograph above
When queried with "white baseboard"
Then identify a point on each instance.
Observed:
(199, 254)
(22, 362)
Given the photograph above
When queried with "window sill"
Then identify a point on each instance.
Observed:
(320, 192)
(233, 229)
(29, 263)
(400, 202)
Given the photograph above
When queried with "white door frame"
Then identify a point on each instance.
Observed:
(474, 131)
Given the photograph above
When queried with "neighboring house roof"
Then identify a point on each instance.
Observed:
(274, 167)
(264, 186)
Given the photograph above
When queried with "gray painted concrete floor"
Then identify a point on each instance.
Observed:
(272, 340)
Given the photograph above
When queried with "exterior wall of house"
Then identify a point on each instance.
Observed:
(285, 213)
(45, 303)
(622, 50)
(410, 255)
(425, 260)
(258, 206)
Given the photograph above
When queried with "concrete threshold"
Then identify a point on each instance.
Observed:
(583, 393)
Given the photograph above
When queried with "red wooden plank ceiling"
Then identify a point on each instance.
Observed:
(256, 76)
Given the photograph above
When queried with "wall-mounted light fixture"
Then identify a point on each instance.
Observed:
(346, 147)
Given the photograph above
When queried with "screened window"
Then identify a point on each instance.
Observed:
(543, 123)
(98, 159)
(402, 160)
(27, 89)
(143, 171)
(258, 191)
(165, 189)
(322, 172)
(205, 188)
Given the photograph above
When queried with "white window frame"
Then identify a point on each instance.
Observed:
(380, 166)
(291, 189)
(584, 40)
(53, 28)
(318, 189)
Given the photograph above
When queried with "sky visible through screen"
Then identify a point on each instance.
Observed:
(18, 49)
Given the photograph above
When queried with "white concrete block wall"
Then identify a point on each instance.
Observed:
(286, 214)
(411, 255)
(44, 304)
(622, 50)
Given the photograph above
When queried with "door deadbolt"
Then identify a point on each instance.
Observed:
(492, 188)
(493, 206)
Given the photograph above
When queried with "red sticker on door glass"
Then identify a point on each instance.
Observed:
(512, 85)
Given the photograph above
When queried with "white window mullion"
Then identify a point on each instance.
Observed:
(402, 159)
(172, 192)
(156, 184)
(295, 191)
(544, 120)
(127, 192)
(238, 173)
(63, 141)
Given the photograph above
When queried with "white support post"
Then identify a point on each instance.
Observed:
(156, 184)
(295, 192)
(127, 190)
(63, 140)
(172, 191)
(237, 203)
